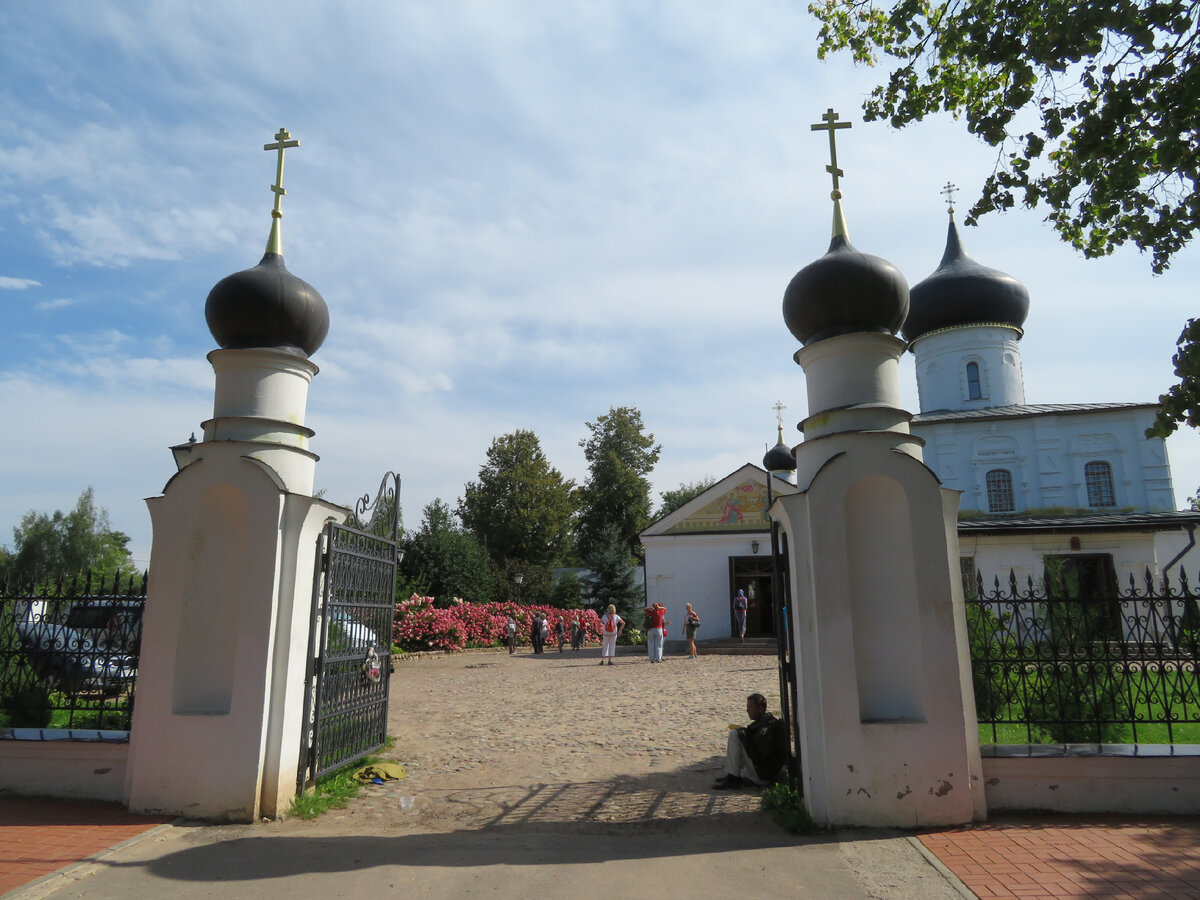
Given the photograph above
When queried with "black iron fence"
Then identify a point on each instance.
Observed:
(1062, 662)
(69, 654)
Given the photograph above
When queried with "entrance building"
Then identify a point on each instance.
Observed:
(710, 548)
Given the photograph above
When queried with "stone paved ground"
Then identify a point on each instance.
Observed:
(556, 739)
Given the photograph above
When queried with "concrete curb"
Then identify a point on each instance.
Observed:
(951, 878)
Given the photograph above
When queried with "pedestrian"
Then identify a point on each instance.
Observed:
(535, 633)
(576, 632)
(656, 613)
(739, 613)
(545, 632)
(511, 630)
(611, 626)
(560, 632)
(690, 624)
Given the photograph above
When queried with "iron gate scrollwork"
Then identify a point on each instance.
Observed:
(351, 635)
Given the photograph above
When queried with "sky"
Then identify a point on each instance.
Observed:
(520, 215)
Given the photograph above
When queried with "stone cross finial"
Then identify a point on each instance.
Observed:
(831, 124)
(948, 191)
(282, 142)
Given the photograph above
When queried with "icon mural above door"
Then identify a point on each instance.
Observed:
(743, 508)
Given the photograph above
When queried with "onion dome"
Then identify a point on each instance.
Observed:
(267, 306)
(962, 292)
(844, 291)
(779, 458)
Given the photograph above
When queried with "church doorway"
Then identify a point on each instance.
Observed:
(752, 574)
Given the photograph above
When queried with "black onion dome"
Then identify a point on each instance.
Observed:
(779, 458)
(267, 306)
(843, 292)
(962, 292)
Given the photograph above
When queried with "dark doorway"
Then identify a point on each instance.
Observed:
(752, 574)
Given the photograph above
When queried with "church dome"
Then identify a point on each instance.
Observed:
(845, 291)
(779, 458)
(267, 307)
(963, 292)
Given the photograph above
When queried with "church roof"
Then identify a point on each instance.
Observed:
(1085, 522)
(1022, 409)
(962, 292)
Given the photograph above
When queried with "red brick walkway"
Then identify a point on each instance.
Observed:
(39, 836)
(1050, 857)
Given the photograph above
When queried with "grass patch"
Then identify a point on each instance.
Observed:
(335, 790)
(787, 809)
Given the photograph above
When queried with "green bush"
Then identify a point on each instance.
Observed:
(787, 809)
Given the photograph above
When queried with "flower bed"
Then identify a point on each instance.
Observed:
(418, 625)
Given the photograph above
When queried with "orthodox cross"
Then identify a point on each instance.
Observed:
(948, 191)
(831, 125)
(282, 142)
(779, 408)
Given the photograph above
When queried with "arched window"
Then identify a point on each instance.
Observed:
(1000, 491)
(1098, 478)
(974, 389)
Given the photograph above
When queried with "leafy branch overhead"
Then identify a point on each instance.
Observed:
(1095, 107)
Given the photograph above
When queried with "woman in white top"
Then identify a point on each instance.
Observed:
(611, 626)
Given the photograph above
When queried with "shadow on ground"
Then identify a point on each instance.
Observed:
(544, 824)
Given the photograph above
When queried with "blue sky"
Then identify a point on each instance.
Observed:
(519, 213)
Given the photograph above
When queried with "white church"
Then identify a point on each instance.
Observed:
(1079, 484)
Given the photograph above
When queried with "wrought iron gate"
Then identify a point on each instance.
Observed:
(351, 636)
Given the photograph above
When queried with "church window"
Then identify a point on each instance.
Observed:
(1000, 491)
(974, 388)
(1097, 476)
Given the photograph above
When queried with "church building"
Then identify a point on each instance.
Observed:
(1077, 486)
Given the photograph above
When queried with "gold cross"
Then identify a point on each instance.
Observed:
(948, 191)
(779, 408)
(831, 125)
(282, 142)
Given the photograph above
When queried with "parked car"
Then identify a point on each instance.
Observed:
(70, 661)
(111, 625)
(346, 634)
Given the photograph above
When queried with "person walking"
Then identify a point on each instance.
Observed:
(576, 632)
(690, 624)
(739, 613)
(656, 613)
(611, 626)
(560, 632)
(511, 629)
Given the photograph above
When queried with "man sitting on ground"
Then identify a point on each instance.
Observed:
(756, 753)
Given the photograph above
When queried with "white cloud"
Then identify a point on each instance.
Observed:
(57, 303)
(17, 284)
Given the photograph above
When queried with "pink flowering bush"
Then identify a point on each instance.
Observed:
(419, 625)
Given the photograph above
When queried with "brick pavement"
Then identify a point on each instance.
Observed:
(42, 835)
(1058, 857)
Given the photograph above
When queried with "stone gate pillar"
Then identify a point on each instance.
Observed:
(888, 735)
(221, 681)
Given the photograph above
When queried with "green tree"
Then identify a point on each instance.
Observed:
(688, 490)
(612, 579)
(1095, 107)
(446, 559)
(67, 545)
(1181, 402)
(617, 494)
(567, 592)
(521, 507)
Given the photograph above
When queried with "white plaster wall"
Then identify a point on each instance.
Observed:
(694, 569)
(888, 731)
(1100, 784)
(1046, 455)
(90, 770)
(198, 734)
(941, 364)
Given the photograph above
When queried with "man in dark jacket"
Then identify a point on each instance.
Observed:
(756, 753)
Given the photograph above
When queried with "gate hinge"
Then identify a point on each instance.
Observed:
(324, 560)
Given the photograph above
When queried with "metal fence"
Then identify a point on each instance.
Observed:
(69, 655)
(1057, 663)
